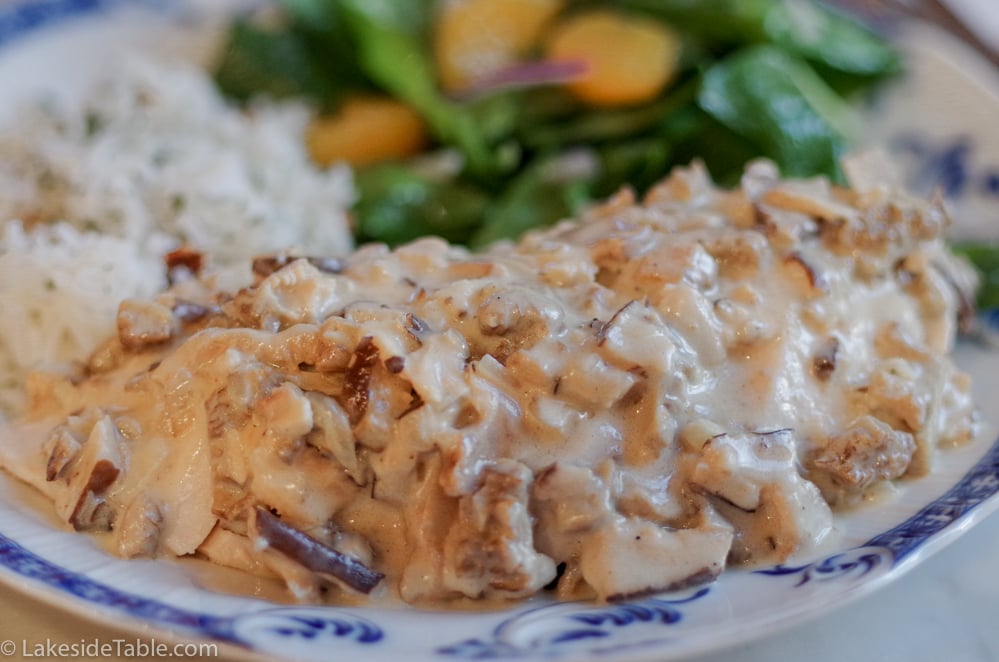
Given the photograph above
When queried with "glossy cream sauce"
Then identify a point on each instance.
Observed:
(625, 403)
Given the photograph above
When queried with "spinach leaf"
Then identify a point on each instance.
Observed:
(638, 163)
(529, 202)
(398, 205)
(830, 39)
(267, 61)
(602, 125)
(801, 27)
(779, 104)
(696, 135)
(318, 15)
(721, 22)
(985, 257)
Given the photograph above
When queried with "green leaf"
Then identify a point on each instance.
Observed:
(398, 205)
(267, 61)
(603, 125)
(638, 163)
(535, 198)
(694, 134)
(779, 104)
(771, 94)
(831, 39)
(319, 15)
(723, 22)
(805, 28)
(985, 257)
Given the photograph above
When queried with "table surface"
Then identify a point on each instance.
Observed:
(945, 609)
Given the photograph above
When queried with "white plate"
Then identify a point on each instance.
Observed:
(67, 43)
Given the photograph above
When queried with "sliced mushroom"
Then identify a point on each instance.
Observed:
(138, 531)
(190, 312)
(572, 499)
(359, 378)
(963, 280)
(62, 448)
(791, 516)
(88, 478)
(513, 317)
(182, 264)
(635, 336)
(589, 382)
(801, 269)
(332, 434)
(735, 467)
(271, 532)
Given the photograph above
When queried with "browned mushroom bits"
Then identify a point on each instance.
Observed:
(639, 398)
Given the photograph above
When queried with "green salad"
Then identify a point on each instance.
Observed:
(477, 120)
(985, 257)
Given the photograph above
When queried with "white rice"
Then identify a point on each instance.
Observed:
(151, 160)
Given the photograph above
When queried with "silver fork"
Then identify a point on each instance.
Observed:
(930, 11)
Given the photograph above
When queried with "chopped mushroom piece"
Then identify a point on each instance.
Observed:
(629, 558)
(489, 550)
(868, 451)
(138, 532)
(232, 550)
(757, 486)
(142, 323)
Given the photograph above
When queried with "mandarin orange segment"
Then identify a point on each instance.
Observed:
(476, 38)
(630, 59)
(366, 130)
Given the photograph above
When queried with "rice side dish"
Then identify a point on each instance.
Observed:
(95, 194)
(623, 404)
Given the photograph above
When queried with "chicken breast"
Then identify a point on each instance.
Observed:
(637, 398)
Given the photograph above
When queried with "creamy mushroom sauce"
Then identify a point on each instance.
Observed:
(625, 403)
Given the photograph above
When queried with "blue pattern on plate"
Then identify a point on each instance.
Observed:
(323, 626)
(553, 628)
(947, 165)
(311, 626)
(978, 485)
(24, 17)
(318, 625)
(15, 557)
(855, 563)
(990, 319)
